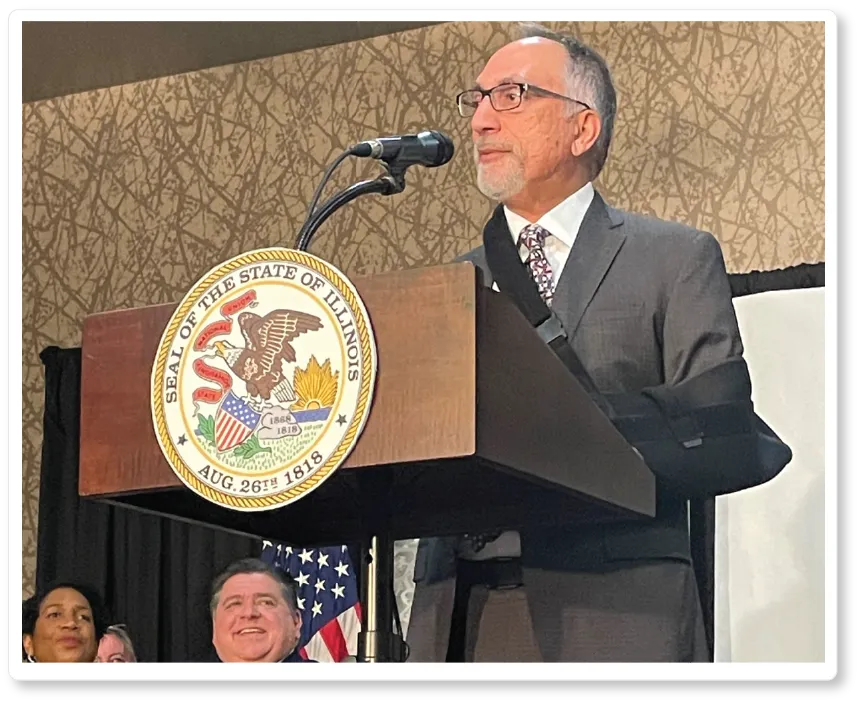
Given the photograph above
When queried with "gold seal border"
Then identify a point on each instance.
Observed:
(367, 380)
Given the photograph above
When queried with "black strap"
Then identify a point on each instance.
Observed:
(513, 278)
(681, 421)
(688, 430)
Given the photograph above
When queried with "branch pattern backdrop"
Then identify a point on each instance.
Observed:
(130, 193)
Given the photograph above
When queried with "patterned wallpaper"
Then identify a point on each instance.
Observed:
(131, 192)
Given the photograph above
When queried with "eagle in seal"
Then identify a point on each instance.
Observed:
(267, 345)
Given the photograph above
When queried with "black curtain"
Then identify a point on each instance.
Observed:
(153, 572)
(791, 278)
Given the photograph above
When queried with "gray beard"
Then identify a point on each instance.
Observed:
(502, 187)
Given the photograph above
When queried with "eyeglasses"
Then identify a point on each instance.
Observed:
(507, 96)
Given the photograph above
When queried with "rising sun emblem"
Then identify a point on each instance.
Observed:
(316, 386)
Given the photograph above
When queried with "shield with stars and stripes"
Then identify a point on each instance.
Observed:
(235, 421)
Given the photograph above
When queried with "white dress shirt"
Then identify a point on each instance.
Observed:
(562, 223)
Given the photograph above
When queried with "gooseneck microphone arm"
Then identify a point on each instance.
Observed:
(388, 184)
(429, 149)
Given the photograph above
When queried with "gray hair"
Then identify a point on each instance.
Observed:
(588, 80)
(122, 635)
(255, 566)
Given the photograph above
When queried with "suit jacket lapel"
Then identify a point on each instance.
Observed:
(597, 243)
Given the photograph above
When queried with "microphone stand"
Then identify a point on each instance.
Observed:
(390, 183)
(379, 639)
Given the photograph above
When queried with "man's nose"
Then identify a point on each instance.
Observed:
(486, 119)
(250, 610)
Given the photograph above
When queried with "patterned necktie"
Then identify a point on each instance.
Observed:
(533, 237)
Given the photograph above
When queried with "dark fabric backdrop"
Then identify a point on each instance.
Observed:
(153, 572)
(793, 277)
(159, 587)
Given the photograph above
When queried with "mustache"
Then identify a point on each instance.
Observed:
(482, 144)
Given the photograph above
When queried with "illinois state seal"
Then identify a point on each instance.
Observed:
(263, 379)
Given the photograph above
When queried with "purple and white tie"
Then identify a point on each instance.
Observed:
(533, 237)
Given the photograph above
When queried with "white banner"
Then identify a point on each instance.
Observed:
(770, 539)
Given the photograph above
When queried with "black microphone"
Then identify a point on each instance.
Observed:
(427, 148)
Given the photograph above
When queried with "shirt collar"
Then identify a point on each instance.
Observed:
(563, 221)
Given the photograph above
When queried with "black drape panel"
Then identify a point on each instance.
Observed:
(153, 572)
(791, 278)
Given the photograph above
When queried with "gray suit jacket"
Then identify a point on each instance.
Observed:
(644, 302)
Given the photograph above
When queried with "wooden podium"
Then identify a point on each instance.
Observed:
(475, 425)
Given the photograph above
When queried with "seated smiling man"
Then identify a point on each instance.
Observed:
(255, 614)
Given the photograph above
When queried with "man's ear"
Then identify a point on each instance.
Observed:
(27, 641)
(588, 130)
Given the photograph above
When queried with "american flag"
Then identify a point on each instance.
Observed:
(328, 598)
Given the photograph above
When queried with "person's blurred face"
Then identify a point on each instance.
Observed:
(64, 630)
(253, 622)
(112, 651)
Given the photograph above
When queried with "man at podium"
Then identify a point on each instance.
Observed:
(644, 303)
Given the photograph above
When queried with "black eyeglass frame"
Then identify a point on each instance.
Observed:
(524, 89)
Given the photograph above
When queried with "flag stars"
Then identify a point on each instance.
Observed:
(324, 584)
